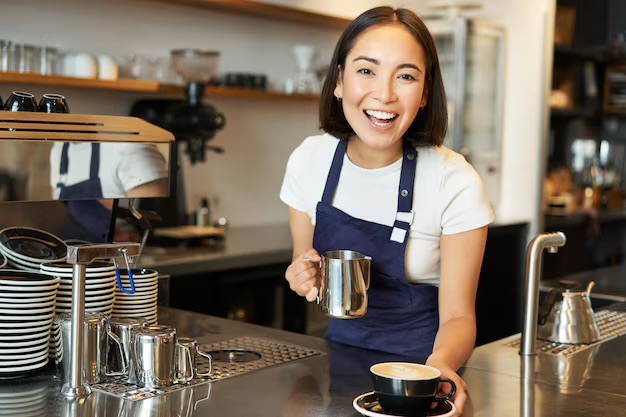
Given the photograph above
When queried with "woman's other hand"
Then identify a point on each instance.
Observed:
(460, 398)
(303, 274)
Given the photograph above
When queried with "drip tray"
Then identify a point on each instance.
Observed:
(610, 323)
(231, 357)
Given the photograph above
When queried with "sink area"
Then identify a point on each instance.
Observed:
(611, 323)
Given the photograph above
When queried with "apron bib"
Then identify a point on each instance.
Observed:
(401, 318)
(88, 219)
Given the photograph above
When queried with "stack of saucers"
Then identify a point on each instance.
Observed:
(99, 286)
(143, 303)
(99, 289)
(26, 314)
(26, 248)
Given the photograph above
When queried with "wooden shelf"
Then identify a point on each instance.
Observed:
(266, 10)
(143, 86)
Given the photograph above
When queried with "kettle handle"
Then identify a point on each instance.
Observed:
(546, 306)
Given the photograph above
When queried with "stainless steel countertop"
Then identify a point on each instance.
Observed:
(589, 383)
(242, 247)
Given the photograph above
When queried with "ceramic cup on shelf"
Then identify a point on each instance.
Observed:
(80, 65)
(53, 103)
(107, 68)
(20, 101)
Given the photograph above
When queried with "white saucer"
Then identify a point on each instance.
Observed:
(49, 293)
(105, 279)
(24, 368)
(11, 363)
(25, 323)
(12, 344)
(40, 346)
(29, 318)
(14, 331)
(24, 340)
(88, 292)
(10, 357)
(26, 311)
(367, 404)
(31, 300)
(14, 303)
(128, 303)
(7, 289)
(88, 304)
(64, 267)
(138, 292)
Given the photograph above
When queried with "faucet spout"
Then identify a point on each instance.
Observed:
(80, 257)
(534, 261)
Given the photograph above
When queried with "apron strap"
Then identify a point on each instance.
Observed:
(64, 159)
(94, 168)
(335, 170)
(405, 214)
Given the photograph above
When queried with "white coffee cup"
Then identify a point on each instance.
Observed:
(107, 68)
(80, 65)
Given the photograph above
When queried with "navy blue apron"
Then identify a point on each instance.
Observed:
(88, 219)
(401, 318)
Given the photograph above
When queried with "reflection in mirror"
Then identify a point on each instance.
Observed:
(31, 170)
(86, 174)
(88, 177)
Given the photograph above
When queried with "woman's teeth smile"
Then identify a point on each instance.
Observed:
(380, 118)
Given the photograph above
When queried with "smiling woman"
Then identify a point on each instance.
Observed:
(379, 182)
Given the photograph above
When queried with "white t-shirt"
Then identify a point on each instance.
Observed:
(123, 166)
(448, 196)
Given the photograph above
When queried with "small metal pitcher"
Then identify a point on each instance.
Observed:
(566, 316)
(345, 278)
(97, 335)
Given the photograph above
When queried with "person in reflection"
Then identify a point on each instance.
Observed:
(90, 175)
(379, 182)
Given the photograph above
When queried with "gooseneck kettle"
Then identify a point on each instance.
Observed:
(566, 316)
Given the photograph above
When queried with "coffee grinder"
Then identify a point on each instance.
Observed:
(191, 120)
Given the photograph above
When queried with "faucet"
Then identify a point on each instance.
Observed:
(534, 257)
(79, 257)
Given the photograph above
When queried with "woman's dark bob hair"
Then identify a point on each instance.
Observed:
(431, 123)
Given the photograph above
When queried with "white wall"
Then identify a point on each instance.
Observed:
(260, 134)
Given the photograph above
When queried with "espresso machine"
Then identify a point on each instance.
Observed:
(192, 121)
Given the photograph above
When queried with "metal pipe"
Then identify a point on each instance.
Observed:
(75, 387)
(79, 257)
(534, 258)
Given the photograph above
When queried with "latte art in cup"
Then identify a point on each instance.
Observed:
(408, 371)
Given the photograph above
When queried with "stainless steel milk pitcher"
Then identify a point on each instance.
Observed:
(345, 278)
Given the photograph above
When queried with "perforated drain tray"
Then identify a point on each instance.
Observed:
(611, 324)
(231, 357)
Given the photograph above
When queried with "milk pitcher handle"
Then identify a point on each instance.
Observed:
(210, 359)
(367, 283)
(178, 374)
(120, 349)
(319, 266)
